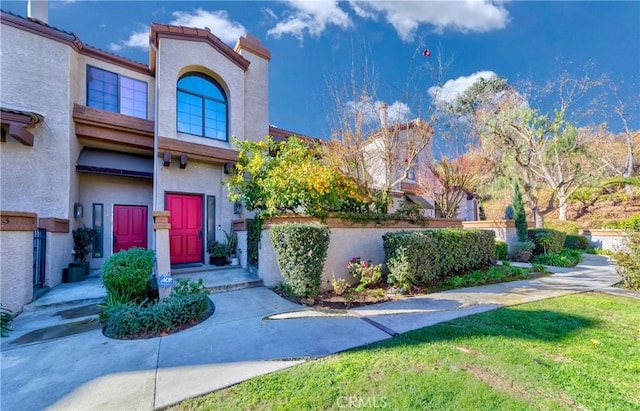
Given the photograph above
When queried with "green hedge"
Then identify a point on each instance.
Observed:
(126, 274)
(576, 242)
(501, 250)
(424, 257)
(301, 249)
(547, 240)
(136, 320)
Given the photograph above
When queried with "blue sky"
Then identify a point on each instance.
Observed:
(314, 41)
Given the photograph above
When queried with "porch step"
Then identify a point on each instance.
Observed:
(220, 279)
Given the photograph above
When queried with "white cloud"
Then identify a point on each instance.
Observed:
(397, 112)
(218, 21)
(454, 88)
(465, 16)
(311, 17)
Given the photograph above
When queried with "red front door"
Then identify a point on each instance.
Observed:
(129, 227)
(185, 235)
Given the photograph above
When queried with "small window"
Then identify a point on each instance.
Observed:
(113, 92)
(201, 107)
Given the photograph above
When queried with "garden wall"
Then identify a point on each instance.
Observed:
(348, 240)
(612, 240)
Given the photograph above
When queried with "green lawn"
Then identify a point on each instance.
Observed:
(575, 352)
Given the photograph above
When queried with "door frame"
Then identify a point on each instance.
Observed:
(202, 221)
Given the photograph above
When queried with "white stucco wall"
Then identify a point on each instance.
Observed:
(175, 58)
(16, 276)
(109, 191)
(35, 77)
(256, 116)
(612, 240)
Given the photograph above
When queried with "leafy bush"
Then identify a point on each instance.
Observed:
(509, 212)
(628, 262)
(301, 249)
(6, 318)
(522, 251)
(367, 273)
(126, 274)
(138, 319)
(422, 257)
(83, 242)
(563, 258)
(576, 242)
(254, 232)
(501, 250)
(632, 223)
(547, 240)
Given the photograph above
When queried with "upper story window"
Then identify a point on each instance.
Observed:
(202, 107)
(114, 92)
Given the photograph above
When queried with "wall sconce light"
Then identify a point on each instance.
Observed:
(78, 210)
(183, 160)
(228, 167)
(166, 159)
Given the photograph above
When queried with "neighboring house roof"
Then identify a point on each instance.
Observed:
(421, 201)
(280, 134)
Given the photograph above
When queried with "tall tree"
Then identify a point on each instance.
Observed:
(519, 214)
(375, 141)
(448, 182)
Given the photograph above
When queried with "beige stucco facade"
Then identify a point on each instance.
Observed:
(44, 80)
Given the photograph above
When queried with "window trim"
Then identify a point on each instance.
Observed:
(203, 99)
(119, 91)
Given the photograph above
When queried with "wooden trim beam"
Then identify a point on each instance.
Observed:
(197, 151)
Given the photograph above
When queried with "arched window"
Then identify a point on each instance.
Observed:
(202, 107)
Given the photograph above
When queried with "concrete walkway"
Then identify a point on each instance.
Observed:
(244, 338)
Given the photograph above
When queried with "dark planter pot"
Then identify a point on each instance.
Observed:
(218, 261)
(84, 264)
(73, 274)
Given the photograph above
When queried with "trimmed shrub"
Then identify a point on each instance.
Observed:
(522, 251)
(501, 250)
(519, 215)
(126, 274)
(547, 240)
(424, 257)
(576, 242)
(136, 319)
(301, 249)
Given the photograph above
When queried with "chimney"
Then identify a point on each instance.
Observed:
(39, 10)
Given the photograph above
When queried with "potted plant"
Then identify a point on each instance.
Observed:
(232, 243)
(83, 238)
(218, 253)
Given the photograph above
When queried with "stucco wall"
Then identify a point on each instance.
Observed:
(109, 191)
(505, 230)
(16, 276)
(176, 58)
(612, 240)
(35, 77)
(256, 117)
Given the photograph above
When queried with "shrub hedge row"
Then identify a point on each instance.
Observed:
(576, 242)
(547, 240)
(301, 249)
(135, 319)
(417, 258)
